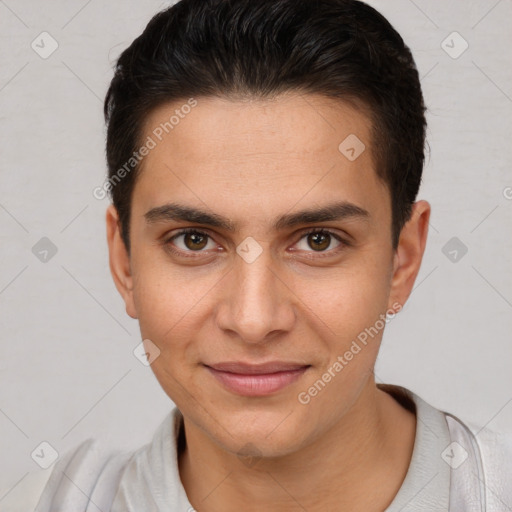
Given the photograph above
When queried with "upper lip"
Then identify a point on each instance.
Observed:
(256, 369)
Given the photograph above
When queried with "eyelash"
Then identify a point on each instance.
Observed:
(168, 245)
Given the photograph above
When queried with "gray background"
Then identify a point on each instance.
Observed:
(67, 370)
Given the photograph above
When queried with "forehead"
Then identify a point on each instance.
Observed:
(288, 125)
(258, 155)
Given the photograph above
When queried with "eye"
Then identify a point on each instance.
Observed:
(192, 242)
(320, 240)
(189, 241)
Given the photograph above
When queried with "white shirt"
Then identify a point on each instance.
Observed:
(451, 469)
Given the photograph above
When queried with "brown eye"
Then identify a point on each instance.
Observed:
(195, 241)
(319, 241)
(189, 241)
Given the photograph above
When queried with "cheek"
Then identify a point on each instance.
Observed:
(174, 312)
(166, 295)
(349, 326)
(346, 300)
(168, 306)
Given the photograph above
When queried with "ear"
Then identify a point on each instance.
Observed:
(408, 255)
(119, 260)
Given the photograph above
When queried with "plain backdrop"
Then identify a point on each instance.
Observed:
(67, 369)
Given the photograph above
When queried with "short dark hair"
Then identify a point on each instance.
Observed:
(236, 49)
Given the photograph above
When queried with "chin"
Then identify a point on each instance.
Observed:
(263, 435)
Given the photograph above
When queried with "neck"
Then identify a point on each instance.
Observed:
(358, 464)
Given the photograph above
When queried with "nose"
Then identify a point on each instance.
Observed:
(257, 303)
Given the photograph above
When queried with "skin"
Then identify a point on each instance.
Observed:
(252, 161)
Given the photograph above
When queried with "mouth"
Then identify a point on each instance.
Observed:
(256, 379)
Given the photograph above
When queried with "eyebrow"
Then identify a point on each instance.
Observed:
(332, 212)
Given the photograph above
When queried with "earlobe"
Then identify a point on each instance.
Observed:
(409, 253)
(119, 260)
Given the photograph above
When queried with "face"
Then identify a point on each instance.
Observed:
(286, 261)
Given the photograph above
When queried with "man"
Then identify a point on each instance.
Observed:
(264, 161)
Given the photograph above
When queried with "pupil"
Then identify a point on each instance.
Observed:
(321, 240)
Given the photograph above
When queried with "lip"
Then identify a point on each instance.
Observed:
(256, 379)
(256, 369)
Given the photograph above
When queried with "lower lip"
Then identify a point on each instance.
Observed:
(257, 385)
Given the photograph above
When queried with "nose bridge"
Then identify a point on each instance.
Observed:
(258, 303)
(256, 281)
